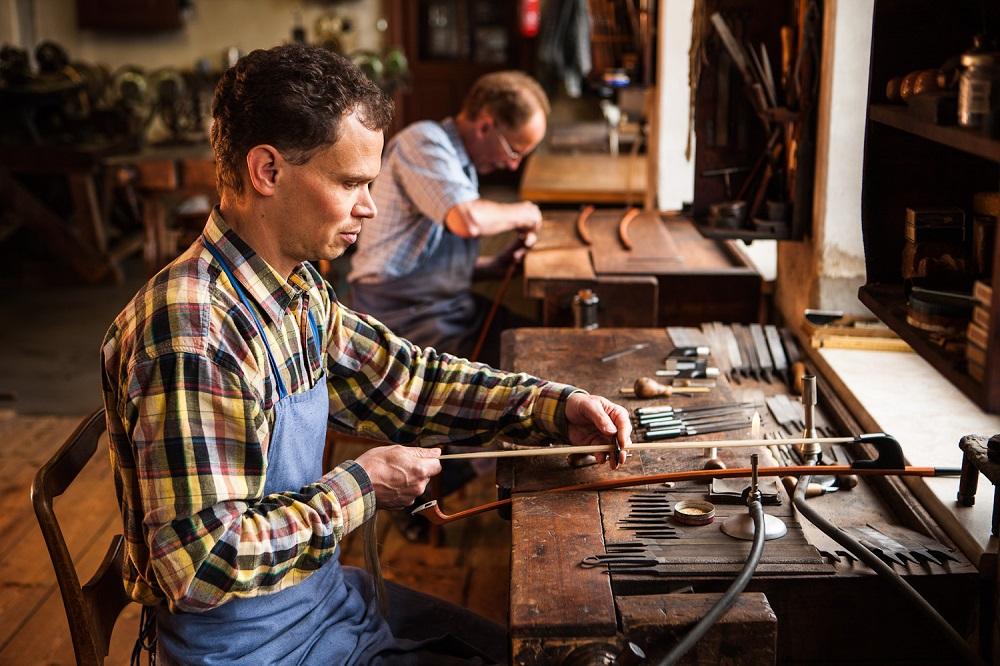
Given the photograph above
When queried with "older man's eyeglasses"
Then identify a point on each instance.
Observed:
(512, 154)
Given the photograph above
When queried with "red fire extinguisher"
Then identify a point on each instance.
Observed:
(530, 17)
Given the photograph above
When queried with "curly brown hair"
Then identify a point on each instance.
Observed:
(511, 97)
(292, 97)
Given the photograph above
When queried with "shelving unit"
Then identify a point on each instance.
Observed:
(449, 44)
(910, 162)
(729, 131)
(954, 137)
(888, 303)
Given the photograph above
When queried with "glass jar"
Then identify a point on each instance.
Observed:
(979, 90)
(585, 304)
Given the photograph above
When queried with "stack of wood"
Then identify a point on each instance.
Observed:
(978, 331)
(853, 332)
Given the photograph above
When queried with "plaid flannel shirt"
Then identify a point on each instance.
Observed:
(190, 401)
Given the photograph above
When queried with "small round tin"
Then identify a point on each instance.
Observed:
(694, 512)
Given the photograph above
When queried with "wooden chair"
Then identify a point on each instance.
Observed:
(91, 608)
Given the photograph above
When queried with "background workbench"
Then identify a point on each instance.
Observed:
(558, 607)
(562, 178)
(672, 275)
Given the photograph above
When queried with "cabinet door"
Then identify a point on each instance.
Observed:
(129, 15)
(449, 44)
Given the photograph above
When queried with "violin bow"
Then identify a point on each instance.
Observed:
(889, 462)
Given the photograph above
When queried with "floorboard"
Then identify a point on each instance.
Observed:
(470, 568)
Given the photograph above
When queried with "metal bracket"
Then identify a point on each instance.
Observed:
(890, 453)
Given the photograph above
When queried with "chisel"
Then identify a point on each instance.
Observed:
(751, 367)
(760, 348)
(692, 418)
(777, 353)
(667, 421)
(656, 409)
(669, 433)
(733, 350)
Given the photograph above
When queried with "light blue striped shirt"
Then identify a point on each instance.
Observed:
(425, 172)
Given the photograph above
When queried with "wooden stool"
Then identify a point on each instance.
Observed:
(975, 460)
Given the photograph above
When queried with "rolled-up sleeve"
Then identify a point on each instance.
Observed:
(430, 172)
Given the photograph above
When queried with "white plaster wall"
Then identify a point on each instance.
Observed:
(841, 138)
(8, 27)
(16, 21)
(212, 26)
(675, 178)
(826, 269)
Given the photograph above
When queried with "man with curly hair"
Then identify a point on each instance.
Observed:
(223, 373)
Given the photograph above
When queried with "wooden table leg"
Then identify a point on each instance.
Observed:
(78, 252)
(154, 226)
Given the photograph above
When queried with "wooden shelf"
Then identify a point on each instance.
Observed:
(955, 137)
(888, 303)
(719, 233)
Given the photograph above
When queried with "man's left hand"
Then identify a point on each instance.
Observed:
(596, 420)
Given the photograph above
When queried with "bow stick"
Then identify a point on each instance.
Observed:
(889, 462)
(635, 446)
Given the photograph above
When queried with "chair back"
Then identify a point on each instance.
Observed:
(91, 608)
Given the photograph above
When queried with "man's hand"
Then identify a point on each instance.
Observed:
(527, 216)
(494, 268)
(596, 420)
(482, 217)
(399, 473)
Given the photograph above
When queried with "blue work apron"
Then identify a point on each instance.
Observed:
(433, 306)
(329, 617)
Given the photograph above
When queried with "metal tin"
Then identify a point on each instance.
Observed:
(585, 304)
(979, 90)
(694, 512)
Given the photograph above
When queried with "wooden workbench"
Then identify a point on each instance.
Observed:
(571, 178)
(672, 275)
(802, 605)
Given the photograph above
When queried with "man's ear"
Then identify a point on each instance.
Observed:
(484, 123)
(264, 163)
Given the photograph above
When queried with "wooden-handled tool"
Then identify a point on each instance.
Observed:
(494, 307)
(787, 46)
(647, 387)
(581, 225)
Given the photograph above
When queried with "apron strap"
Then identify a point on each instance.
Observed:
(282, 393)
(315, 331)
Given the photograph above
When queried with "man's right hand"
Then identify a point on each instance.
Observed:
(399, 473)
(482, 217)
(528, 217)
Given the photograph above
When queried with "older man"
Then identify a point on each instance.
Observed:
(416, 261)
(224, 371)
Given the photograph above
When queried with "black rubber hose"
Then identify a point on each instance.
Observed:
(729, 598)
(882, 569)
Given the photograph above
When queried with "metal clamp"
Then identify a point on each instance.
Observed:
(890, 453)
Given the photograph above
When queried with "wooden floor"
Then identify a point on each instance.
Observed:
(471, 568)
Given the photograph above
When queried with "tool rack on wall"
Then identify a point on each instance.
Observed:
(757, 67)
(917, 158)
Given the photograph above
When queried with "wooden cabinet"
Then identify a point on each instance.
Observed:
(449, 44)
(912, 162)
(130, 15)
(754, 117)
